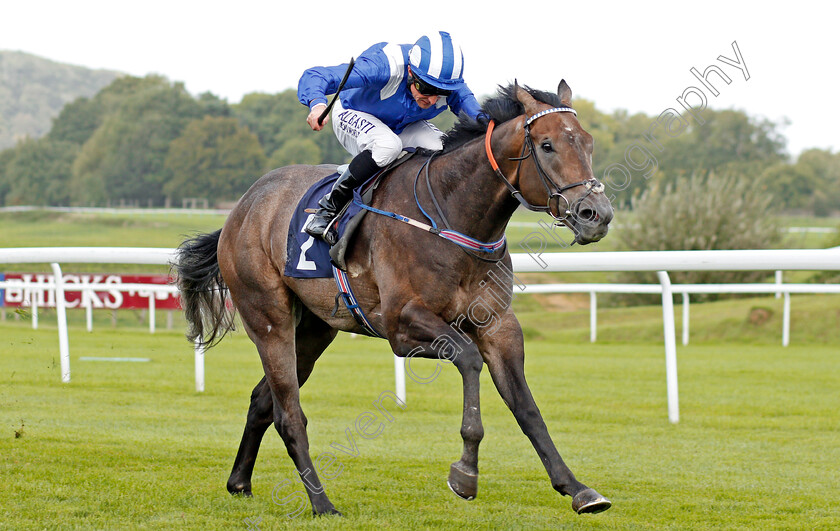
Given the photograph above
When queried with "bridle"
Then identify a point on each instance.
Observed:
(552, 189)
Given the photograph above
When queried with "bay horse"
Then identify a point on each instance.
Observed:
(415, 287)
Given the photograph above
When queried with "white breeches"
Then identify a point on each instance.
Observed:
(358, 131)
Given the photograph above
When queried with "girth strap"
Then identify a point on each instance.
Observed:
(346, 293)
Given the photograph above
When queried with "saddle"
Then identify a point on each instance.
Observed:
(310, 257)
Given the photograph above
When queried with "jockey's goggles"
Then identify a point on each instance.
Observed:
(426, 89)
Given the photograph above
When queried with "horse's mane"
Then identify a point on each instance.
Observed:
(501, 107)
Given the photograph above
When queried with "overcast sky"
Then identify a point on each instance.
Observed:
(622, 55)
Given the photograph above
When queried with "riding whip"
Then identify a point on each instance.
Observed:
(335, 96)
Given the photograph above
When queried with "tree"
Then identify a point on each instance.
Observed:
(634, 151)
(296, 151)
(76, 122)
(6, 157)
(601, 126)
(214, 158)
(279, 118)
(213, 105)
(825, 167)
(725, 140)
(79, 119)
(124, 158)
(793, 185)
(39, 173)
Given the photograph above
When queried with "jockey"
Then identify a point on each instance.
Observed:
(389, 97)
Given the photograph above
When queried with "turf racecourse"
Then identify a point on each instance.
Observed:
(133, 446)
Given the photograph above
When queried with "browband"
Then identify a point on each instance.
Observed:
(549, 111)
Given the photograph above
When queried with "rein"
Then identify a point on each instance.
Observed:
(592, 185)
(494, 246)
(468, 243)
(458, 238)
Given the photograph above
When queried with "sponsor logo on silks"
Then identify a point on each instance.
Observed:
(352, 120)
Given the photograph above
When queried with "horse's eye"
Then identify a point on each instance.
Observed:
(546, 146)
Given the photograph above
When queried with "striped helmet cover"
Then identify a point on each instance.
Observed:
(437, 60)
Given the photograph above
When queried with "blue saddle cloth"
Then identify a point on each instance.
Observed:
(307, 256)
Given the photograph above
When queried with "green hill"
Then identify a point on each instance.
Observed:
(33, 90)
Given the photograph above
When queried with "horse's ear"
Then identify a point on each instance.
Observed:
(565, 93)
(525, 99)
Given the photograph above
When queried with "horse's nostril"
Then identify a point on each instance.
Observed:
(588, 215)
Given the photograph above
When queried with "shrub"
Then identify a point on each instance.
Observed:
(701, 212)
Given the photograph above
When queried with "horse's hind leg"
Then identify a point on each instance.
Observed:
(268, 315)
(260, 415)
(312, 337)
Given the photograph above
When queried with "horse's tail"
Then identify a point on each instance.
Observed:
(203, 291)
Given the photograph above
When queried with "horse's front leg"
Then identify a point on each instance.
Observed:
(423, 334)
(463, 474)
(504, 353)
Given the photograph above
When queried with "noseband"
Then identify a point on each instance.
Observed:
(552, 189)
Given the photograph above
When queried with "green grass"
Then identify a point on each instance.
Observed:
(815, 319)
(132, 445)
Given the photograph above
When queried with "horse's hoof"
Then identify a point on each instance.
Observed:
(463, 484)
(240, 490)
(328, 512)
(589, 501)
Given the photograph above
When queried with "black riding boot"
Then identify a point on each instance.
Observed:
(360, 169)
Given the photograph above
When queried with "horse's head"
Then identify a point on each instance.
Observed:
(561, 174)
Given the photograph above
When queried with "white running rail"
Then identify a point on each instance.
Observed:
(657, 261)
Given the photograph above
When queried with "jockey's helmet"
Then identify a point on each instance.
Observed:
(437, 60)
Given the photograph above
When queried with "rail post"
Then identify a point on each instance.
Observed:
(670, 347)
(152, 312)
(61, 316)
(199, 366)
(33, 306)
(399, 378)
(779, 282)
(786, 321)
